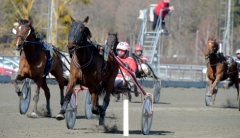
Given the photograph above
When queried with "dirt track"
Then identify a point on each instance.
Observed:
(181, 113)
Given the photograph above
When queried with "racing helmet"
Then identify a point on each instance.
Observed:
(238, 51)
(123, 46)
(138, 47)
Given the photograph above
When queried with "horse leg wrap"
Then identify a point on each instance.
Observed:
(65, 104)
(96, 110)
(36, 96)
(104, 107)
(14, 80)
(64, 107)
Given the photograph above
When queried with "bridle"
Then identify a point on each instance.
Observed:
(24, 40)
(79, 44)
(211, 50)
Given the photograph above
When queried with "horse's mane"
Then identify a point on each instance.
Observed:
(24, 21)
(88, 32)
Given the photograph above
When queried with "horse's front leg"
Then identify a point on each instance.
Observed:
(213, 87)
(47, 95)
(68, 94)
(35, 113)
(94, 94)
(104, 108)
(14, 78)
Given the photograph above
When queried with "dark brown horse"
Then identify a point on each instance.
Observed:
(112, 41)
(87, 69)
(36, 61)
(218, 68)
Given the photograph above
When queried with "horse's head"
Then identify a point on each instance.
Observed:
(211, 47)
(78, 34)
(22, 32)
(112, 41)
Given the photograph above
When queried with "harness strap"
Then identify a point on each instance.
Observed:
(83, 66)
(215, 64)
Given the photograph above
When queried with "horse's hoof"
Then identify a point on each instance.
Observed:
(33, 115)
(48, 115)
(60, 117)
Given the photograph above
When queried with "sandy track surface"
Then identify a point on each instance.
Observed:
(181, 113)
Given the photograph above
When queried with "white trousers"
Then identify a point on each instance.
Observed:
(143, 67)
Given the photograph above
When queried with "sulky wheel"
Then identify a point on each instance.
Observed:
(157, 90)
(26, 90)
(88, 105)
(71, 112)
(207, 98)
(238, 103)
(147, 115)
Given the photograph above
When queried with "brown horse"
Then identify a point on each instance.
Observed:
(218, 69)
(36, 61)
(87, 69)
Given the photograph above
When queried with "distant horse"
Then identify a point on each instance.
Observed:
(112, 41)
(36, 61)
(218, 69)
(87, 69)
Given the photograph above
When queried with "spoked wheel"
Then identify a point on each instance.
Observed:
(157, 89)
(26, 90)
(147, 116)
(209, 100)
(88, 105)
(238, 103)
(71, 112)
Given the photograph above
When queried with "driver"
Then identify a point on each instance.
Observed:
(129, 62)
(238, 58)
(123, 55)
(141, 60)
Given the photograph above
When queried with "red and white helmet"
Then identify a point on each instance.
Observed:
(123, 46)
(138, 47)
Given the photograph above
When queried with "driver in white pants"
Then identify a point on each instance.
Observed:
(123, 54)
(142, 67)
(238, 59)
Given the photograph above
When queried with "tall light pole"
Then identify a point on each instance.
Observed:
(226, 26)
(52, 22)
